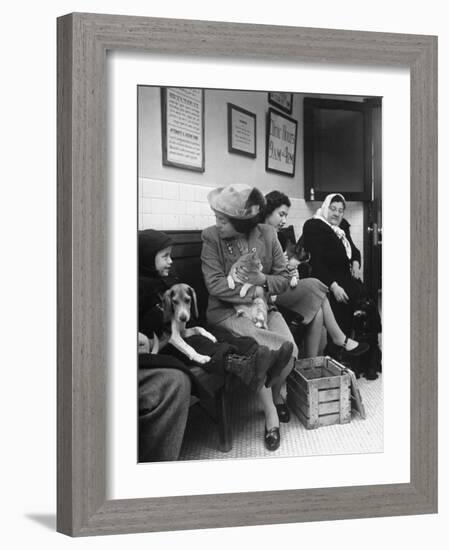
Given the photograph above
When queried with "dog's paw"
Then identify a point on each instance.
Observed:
(231, 282)
(207, 334)
(294, 282)
(201, 359)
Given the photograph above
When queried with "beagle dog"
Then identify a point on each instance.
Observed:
(179, 302)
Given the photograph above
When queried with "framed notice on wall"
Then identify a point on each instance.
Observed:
(183, 128)
(281, 100)
(281, 143)
(241, 131)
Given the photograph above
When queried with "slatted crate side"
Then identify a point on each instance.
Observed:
(345, 399)
(296, 380)
(298, 402)
(311, 412)
(329, 395)
(319, 401)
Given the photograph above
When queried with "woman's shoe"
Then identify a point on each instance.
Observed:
(272, 439)
(283, 412)
(360, 349)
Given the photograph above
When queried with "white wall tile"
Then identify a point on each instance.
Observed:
(194, 208)
(159, 206)
(177, 207)
(206, 210)
(170, 190)
(200, 222)
(145, 205)
(201, 193)
(186, 222)
(152, 221)
(170, 221)
(151, 188)
(186, 192)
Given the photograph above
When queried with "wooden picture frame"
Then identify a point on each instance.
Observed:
(185, 147)
(242, 131)
(82, 504)
(282, 101)
(281, 139)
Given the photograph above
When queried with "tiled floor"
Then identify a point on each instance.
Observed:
(359, 436)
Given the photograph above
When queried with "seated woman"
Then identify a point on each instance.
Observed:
(335, 259)
(236, 233)
(309, 296)
(165, 375)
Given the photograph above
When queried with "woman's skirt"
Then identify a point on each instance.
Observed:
(306, 298)
(277, 333)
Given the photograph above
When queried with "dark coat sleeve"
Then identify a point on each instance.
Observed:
(356, 256)
(316, 241)
(151, 313)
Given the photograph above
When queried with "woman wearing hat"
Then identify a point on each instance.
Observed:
(335, 259)
(235, 233)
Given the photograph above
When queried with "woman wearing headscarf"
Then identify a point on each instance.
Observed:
(309, 296)
(335, 259)
(237, 232)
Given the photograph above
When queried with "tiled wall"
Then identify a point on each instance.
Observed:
(177, 205)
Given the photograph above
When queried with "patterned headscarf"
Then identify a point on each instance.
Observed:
(322, 214)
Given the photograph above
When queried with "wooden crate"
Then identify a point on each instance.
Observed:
(318, 392)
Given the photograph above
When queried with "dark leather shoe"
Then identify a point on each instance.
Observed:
(272, 439)
(283, 412)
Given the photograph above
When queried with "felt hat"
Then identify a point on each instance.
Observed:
(236, 201)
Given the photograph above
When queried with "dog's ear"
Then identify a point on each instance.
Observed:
(167, 304)
(194, 301)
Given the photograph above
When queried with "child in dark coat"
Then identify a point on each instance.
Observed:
(253, 364)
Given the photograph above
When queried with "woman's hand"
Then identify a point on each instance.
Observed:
(339, 293)
(355, 270)
(144, 343)
(244, 276)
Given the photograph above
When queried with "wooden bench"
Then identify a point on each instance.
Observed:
(186, 255)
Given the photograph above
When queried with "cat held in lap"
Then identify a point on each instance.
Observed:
(257, 310)
(251, 263)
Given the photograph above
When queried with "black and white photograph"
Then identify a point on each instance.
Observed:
(221, 260)
(259, 275)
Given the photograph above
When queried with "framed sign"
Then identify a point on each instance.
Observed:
(183, 128)
(84, 505)
(281, 137)
(242, 132)
(281, 100)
